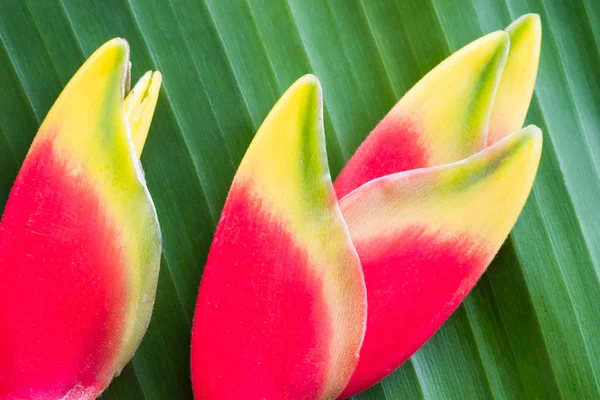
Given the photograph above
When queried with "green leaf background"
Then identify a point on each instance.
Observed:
(530, 328)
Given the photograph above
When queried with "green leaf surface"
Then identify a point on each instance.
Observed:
(530, 328)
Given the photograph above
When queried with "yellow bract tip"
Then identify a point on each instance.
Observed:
(529, 22)
(518, 79)
(305, 90)
(309, 79)
(139, 107)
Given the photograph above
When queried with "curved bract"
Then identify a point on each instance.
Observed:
(79, 240)
(443, 118)
(424, 238)
(426, 203)
(475, 97)
(281, 310)
(518, 78)
(416, 271)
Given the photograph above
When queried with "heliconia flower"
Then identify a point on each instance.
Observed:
(281, 310)
(79, 239)
(424, 237)
(427, 205)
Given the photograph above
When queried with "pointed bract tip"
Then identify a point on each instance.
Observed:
(302, 99)
(157, 75)
(115, 53)
(118, 41)
(110, 58)
(530, 22)
(525, 144)
(117, 47)
(309, 79)
(295, 120)
(101, 80)
(309, 85)
(118, 44)
(533, 133)
(139, 106)
(518, 79)
(528, 25)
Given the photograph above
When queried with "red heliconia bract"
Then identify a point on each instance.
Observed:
(420, 258)
(79, 239)
(281, 311)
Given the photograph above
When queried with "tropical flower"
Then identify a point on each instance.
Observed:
(425, 204)
(79, 239)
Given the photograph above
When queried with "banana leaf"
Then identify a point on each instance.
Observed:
(529, 329)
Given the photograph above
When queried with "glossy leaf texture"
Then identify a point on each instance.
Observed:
(282, 306)
(79, 242)
(529, 327)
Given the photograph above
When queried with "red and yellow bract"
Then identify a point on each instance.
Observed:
(424, 243)
(443, 118)
(79, 239)
(424, 238)
(281, 310)
(427, 205)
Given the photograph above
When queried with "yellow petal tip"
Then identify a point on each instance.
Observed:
(528, 22)
(117, 43)
(309, 79)
(139, 106)
(534, 134)
(518, 79)
(116, 50)
(307, 87)
(527, 28)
